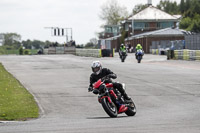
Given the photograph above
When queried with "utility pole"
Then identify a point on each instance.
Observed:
(132, 25)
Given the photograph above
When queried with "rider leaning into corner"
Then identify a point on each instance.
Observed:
(99, 72)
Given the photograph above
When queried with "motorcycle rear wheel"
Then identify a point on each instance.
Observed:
(109, 108)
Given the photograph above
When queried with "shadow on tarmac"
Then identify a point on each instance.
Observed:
(107, 117)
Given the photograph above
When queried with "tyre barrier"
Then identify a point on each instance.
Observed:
(154, 51)
(184, 54)
(198, 55)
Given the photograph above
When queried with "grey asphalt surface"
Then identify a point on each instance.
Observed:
(166, 94)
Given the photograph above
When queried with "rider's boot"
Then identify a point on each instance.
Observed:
(126, 97)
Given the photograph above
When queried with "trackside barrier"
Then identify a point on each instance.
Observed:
(197, 54)
(60, 50)
(73, 50)
(70, 50)
(80, 52)
(155, 51)
(45, 51)
(89, 52)
(184, 54)
(52, 50)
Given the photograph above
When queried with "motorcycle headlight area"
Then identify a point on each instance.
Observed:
(95, 91)
(102, 88)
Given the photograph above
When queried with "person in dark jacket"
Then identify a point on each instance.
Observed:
(99, 72)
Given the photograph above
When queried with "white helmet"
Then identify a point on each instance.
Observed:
(96, 67)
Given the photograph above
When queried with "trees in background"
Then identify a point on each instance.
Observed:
(138, 8)
(12, 40)
(189, 9)
(168, 6)
(93, 43)
(112, 13)
(36, 44)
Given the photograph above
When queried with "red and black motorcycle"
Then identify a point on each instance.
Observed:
(111, 99)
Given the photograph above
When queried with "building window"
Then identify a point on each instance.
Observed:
(146, 25)
(165, 24)
(141, 25)
(108, 29)
(115, 30)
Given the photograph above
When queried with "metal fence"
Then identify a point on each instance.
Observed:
(167, 44)
(161, 47)
(192, 42)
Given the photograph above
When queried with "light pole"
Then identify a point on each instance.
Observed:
(132, 25)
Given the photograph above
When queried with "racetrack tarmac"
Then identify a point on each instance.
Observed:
(166, 94)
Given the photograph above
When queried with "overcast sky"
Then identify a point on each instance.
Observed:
(29, 17)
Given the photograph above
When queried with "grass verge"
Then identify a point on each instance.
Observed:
(16, 103)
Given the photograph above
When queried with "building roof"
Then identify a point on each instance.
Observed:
(162, 32)
(153, 13)
(112, 38)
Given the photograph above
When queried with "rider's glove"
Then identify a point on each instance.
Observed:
(113, 76)
(90, 89)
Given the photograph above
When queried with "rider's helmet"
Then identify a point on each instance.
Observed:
(138, 44)
(96, 67)
(122, 45)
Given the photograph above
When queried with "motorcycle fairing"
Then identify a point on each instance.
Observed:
(139, 52)
(109, 85)
(97, 84)
(122, 109)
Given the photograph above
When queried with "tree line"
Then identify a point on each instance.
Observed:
(13, 41)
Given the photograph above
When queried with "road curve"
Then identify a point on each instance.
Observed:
(166, 94)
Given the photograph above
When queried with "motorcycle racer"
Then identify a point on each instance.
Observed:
(122, 49)
(138, 47)
(99, 72)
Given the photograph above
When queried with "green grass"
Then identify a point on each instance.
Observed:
(16, 103)
(4, 51)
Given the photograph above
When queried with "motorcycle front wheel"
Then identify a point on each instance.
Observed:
(109, 108)
(139, 59)
(131, 110)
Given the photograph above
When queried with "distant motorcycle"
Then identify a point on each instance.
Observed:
(111, 100)
(139, 54)
(122, 55)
